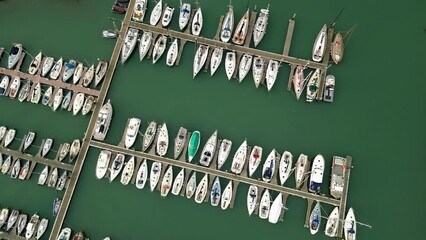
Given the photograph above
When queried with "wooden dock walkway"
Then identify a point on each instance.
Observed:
(88, 135)
(289, 36)
(342, 206)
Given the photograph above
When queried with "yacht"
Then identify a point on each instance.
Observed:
(101, 69)
(129, 44)
(14, 87)
(103, 121)
(193, 145)
(116, 166)
(28, 140)
(319, 45)
(209, 150)
(14, 55)
(271, 73)
(245, 65)
(265, 205)
(312, 86)
(224, 150)
(239, 158)
(167, 16)
(36, 94)
(227, 25)
(159, 48)
(53, 178)
(329, 88)
(78, 103)
(56, 69)
(142, 175)
(298, 81)
(216, 192)
(25, 91)
(201, 191)
(43, 176)
(197, 22)
(191, 185)
(69, 70)
(285, 168)
(226, 196)
(255, 159)
(47, 66)
(139, 10)
(149, 135)
(57, 99)
(240, 33)
(172, 53)
(200, 59)
(66, 100)
(8, 138)
(350, 225)
(87, 105)
(4, 84)
(332, 223)
(163, 141)
(128, 170)
(154, 177)
(301, 169)
(215, 60)
(132, 131)
(77, 73)
(166, 183)
(315, 219)
(178, 182)
(230, 60)
(258, 69)
(156, 13)
(144, 44)
(180, 141)
(252, 195)
(75, 149)
(47, 96)
(276, 208)
(317, 174)
(260, 26)
(184, 14)
(31, 227)
(88, 76)
(338, 171)
(337, 48)
(35, 64)
(64, 149)
(102, 163)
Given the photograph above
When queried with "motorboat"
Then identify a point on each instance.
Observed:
(197, 22)
(285, 168)
(209, 150)
(47, 96)
(301, 169)
(252, 195)
(265, 205)
(216, 192)
(128, 170)
(312, 86)
(271, 74)
(184, 14)
(193, 145)
(15, 169)
(166, 183)
(129, 44)
(338, 171)
(276, 208)
(35, 64)
(75, 149)
(224, 150)
(154, 176)
(215, 60)
(65, 234)
(14, 55)
(191, 185)
(239, 158)
(258, 69)
(53, 178)
(241, 30)
(139, 10)
(14, 87)
(227, 25)
(178, 182)
(100, 71)
(69, 70)
(172, 53)
(254, 159)
(103, 121)
(298, 81)
(116, 166)
(159, 48)
(4, 85)
(6, 165)
(36, 94)
(57, 99)
(78, 103)
(260, 26)
(201, 191)
(102, 163)
(180, 141)
(317, 174)
(332, 223)
(149, 135)
(77, 73)
(132, 131)
(350, 225)
(245, 65)
(12, 219)
(226, 196)
(21, 223)
(24, 171)
(62, 181)
(142, 175)
(25, 91)
(64, 149)
(163, 141)
(144, 44)
(31, 227)
(88, 76)
(43, 176)
(319, 45)
(88, 105)
(167, 16)
(156, 13)
(8, 138)
(200, 59)
(329, 88)
(56, 69)
(315, 219)
(66, 100)
(230, 61)
(28, 140)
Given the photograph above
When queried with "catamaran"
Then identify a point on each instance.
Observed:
(228, 25)
(163, 140)
(239, 158)
(199, 59)
(319, 45)
(184, 14)
(245, 65)
(240, 33)
(215, 60)
(144, 44)
(132, 131)
(209, 150)
(255, 159)
(260, 26)
(230, 60)
(129, 44)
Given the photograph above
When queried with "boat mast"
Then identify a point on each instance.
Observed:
(335, 19)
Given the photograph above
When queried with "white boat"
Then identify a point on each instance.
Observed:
(12, 219)
(301, 169)
(129, 44)
(14, 55)
(56, 69)
(144, 44)
(47, 66)
(315, 219)
(172, 53)
(103, 121)
(241, 30)
(298, 81)
(66, 100)
(197, 22)
(269, 166)
(201, 190)
(74, 149)
(47, 96)
(350, 225)
(3, 216)
(163, 140)
(265, 205)
(78, 103)
(88, 105)
(88, 76)
(332, 223)
(46, 147)
(62, 181)
(15, 168)
(245, 65)
(167, 16)
(31, 227)
(132, 131)
(312, 86)
(57, 99)
(36, 94)
(29, 139)
(276, 208)
(42, 226)
(330, 82)
(63, 151)
(216, 192)
(43, 176)
(180, 141)
(77, 73)
(8, 138)
(6, 165)
(14, 87)
(258, 69)
(24, 171)
(239, 158)
(116, 166)
(149, 135)
(271, 73)
(159, 48)
(166, 183)
(200, 59)
(255, 159)
(209, 150)
(139, 10)
(184, 14)
(3, 130)
(319, 45)
(338, 171)
(156, 13)
(100, 72)
(154, 176)
(226, 196)
(317, 174)
(227, 25)
(53, 178)
(191, 185)
(65, 234)
(142, 175)
(215, 60)
(260, 26)
(178, 182)
(102, 163)
(4, 84)
(35, 64)
(69, 70)
(252, 196)
(21, 223)
(128, 170)
(25, 91)
(224, 150)
(230, 60)
(285, 169)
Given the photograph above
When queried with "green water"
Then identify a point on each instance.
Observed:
(377, 117)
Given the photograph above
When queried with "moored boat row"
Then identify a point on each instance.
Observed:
(30, 227)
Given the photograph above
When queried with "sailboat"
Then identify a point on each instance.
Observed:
(166, 183)
(271, 74)
(10, 135)
(230, 61)
(24, 171)
(252, 195)
(337, 48)
(142, 175)
(178, 182)
(41, 228)
(197, 22)
(239, 158)
(301, 169)
(47, 65)
(15, 169)
(241, 29)
(36, 94)
(315, 219)
(216, 192)
(144, 44)
(29, 138)
(265, 205)
(258, 69)
(194, 144)
(245, 65)
(139, 10)
(319, 45)
(149, 135)
(276, 208)
(269, 166)
(46, 147)
(350, 225)
(46, 96)
(129, 44)
(226, 196)
(180, 141)
(116, 166)
(163, 141)
(77, 73)
(201, 191)
(298, 81)
(21, 223)
(35, 64)
(88, 76)
(172, 53)
(215, 60)
(69, 70)
(14, 87)
(159, 47)
(191, 185)
(312, 86)
(260, 26)
(332, 223)
(156, 13)
(57, 99)
(43, 176)
(128, 170)
(228, 25)
(155, 175)
(100, 71)
(285, 166)
(209, 150)
(56, 69)
(78, 103)
(255, 159)
(63, 151)
(24, 92)
(224, 150)
(200, 59)
(184, 14)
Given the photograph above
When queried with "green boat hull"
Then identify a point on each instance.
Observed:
(194, 143)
